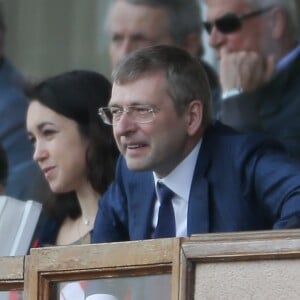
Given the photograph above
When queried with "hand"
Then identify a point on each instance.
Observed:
(246, 70)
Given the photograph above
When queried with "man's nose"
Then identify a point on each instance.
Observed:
(125, 124)
(216, 38)
(126, 48)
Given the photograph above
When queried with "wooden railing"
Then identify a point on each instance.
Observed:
(249, 265)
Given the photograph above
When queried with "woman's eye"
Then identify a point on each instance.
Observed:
(49, 132)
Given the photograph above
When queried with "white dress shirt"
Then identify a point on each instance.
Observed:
(179, 181)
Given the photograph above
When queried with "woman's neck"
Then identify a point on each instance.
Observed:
(88, 200)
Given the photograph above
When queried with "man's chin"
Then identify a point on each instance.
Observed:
(136, 166)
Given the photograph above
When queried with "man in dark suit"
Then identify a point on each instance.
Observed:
(221, 180)
(259, 53)
(13, 105)
(24, 179)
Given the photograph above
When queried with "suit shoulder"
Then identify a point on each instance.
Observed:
(225, 137)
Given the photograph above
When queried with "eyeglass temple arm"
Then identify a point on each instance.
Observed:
(255, 13)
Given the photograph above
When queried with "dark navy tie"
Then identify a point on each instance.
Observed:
(166, 218)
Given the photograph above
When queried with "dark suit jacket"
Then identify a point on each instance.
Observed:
(273, 109)
(241, 182)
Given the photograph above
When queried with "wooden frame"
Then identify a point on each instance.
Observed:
(11, 273)
(47, 266)
(235, 248)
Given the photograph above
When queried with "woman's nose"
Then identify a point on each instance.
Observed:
(40, 153)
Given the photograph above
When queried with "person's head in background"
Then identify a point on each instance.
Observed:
(73, 148)
(3, 170)
(168, 100)
(135, 24)
(269, 27)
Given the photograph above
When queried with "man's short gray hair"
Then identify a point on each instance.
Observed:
(290, 7)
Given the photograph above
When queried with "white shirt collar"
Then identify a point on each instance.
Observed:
(180, 179)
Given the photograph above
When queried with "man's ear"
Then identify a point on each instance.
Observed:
(193, 44)
(278, 23)
(194, 117)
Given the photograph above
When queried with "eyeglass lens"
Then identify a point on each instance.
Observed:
(226, 24)
(231, 22)
(140, 114)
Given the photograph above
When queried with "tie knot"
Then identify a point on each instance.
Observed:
(165, 193)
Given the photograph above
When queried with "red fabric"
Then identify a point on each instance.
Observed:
(13, 295)
(128, 295)
(35, 244)
(83, 284)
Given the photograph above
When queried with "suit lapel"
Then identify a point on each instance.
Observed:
(198, 207)
(141, 206)
(198, 212)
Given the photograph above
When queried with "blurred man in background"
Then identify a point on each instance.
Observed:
(13, 105)
(257, 43)
(24, 181)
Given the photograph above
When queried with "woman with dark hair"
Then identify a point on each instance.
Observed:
(74, 149)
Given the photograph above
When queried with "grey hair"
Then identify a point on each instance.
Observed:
(290, 7)
(183, 17)
(185, 75)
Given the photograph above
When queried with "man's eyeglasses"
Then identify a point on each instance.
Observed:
(138, 113)
(231, 22)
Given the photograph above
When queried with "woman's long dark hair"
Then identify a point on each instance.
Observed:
(78, 95)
